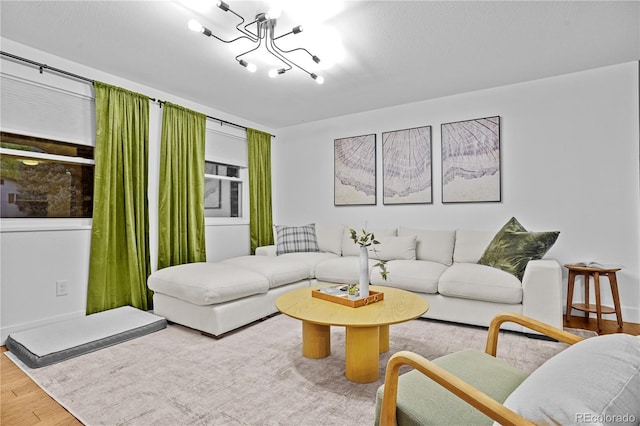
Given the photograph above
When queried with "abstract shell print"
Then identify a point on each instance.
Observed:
(471, 161)
(406, 166)
(355, 170)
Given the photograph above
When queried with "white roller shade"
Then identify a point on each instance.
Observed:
(36, 109)
(226, 148)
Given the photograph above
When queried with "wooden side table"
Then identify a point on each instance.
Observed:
(586, 307)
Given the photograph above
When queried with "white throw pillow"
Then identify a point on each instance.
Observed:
(330, 238)
(349, 248)
(470, 245)
(595, 381)
(394, 248)
(436, 246)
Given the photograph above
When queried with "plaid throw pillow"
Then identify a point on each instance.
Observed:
(293, 239)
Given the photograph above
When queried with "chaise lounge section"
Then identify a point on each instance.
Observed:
(216, 298)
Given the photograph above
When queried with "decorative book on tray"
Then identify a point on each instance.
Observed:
(340, 294)
(595, 265)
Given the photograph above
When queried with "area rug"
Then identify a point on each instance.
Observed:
(256, 376)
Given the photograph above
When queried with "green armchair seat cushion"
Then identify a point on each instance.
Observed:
(421, 401)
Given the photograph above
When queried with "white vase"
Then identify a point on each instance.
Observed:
(364, 272)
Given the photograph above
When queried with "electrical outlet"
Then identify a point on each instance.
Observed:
(62, 288)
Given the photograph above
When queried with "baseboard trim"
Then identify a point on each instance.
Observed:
(5, 331)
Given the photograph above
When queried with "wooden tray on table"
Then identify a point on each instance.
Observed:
(333, 294)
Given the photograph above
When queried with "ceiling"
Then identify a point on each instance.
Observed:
(396, 52)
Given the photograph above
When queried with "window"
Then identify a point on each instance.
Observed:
(223, 185)
(42, 178)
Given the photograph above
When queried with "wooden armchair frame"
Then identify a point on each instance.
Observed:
(458, 387)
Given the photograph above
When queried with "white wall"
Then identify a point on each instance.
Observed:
(570, 162)
(37, 253)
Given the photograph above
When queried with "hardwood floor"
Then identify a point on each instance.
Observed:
(24, 403)
(608, 326)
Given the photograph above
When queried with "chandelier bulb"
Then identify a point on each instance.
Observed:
(222, 5)
(195, 26)
(248, 65)
(273, 13)
(297, 29)
(318, 78)
(316, 59)
(274, 72)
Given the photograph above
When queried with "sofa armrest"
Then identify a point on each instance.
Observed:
(542, 292)
(266, 250)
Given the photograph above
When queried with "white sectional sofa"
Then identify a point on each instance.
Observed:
(439, 265)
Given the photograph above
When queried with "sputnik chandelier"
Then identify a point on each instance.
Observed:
(263, 33)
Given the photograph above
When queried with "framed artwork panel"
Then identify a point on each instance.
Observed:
(471, 170)
(355, 170)
(406, 166)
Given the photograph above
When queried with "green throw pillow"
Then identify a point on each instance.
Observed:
(513, 247)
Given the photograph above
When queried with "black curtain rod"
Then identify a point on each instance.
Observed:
(43, 67)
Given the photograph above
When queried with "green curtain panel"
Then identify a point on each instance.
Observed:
(181, 190)
(119, 264)
(260, 222)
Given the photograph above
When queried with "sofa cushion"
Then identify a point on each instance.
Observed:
(207, 283)
(349, 248)
(480, 282)
(276, 270)
(436, 246)
(419, 276)
(330, 238)
(309, 259)
(266, 250)
(470, 245)
(595, 381)
(513, 247)
(295, 239)
(342, 270)
(394, 248)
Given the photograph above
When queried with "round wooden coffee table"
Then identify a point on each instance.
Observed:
(367, 327)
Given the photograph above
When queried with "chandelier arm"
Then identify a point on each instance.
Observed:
(280, 36)
(314, 57)
(246, 29)
(280, 57)
(275, 51)
(250, 35)
(293, 50)
(250, 50)
(235, 39)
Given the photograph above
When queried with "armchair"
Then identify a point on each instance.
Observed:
(474, 387)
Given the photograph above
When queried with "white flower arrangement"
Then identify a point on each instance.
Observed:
(367, 239)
